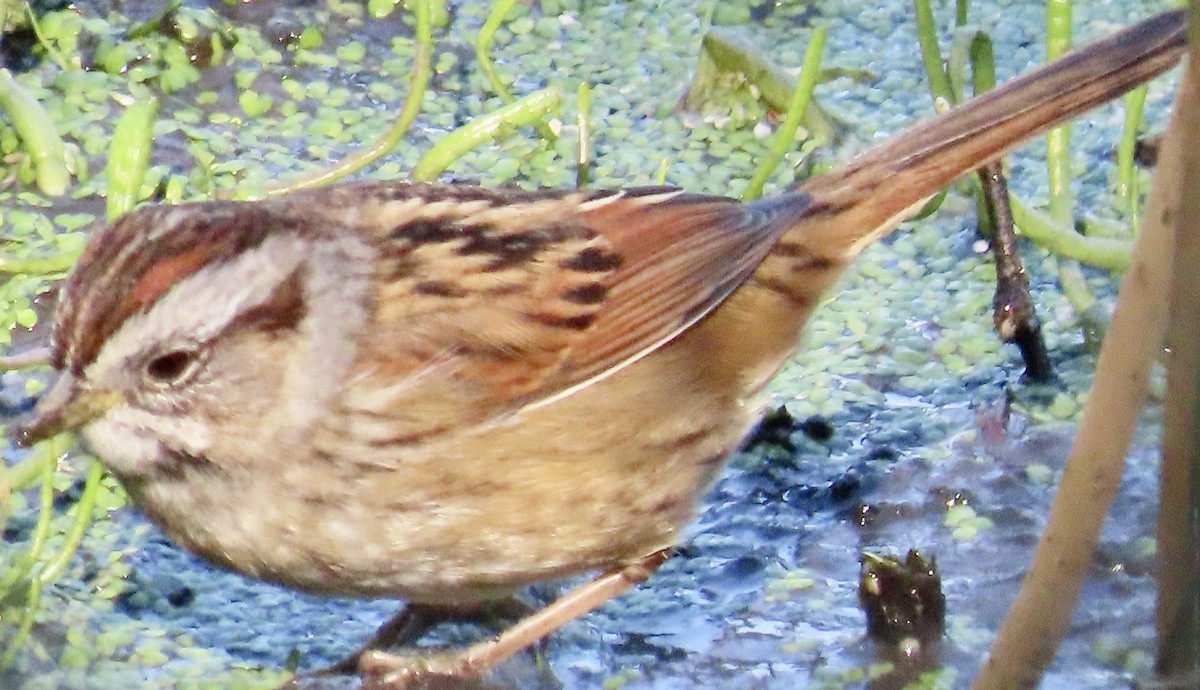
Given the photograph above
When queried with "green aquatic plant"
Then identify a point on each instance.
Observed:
(28, 575)
(524, 111)
(35, 256)
(39, 137)
(483, 46)
(583, 158)
(1055, 228)
(729, 63)
(785, 136)
(129, 157)
(208, 127)
(420, 71)
(1014, 313)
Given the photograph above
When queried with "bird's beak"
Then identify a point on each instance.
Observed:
(66, 406)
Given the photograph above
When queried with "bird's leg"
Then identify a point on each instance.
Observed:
(404, 628)
(413, 621)
(383, 671)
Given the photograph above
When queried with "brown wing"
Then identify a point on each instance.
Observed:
(683, 254)
(494, 300)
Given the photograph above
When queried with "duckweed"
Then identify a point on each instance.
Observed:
(248, 138)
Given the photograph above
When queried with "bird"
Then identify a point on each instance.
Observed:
(445, 393)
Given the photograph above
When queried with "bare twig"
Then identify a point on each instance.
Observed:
(1013, 310)
(25, 360)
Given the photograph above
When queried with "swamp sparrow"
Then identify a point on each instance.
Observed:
(445, 393)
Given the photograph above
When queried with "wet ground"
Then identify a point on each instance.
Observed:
(903, 437)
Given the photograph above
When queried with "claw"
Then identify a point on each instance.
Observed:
(383, 671)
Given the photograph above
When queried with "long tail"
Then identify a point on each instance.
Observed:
(838, 214)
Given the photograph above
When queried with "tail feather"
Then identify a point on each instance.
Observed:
(849, 209)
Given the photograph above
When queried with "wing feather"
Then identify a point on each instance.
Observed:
(519, 298)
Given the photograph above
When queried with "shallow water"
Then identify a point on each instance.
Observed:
(901, 364)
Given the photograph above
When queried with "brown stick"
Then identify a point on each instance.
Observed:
(1178, 565)
(1014, 313)
(1029, 637)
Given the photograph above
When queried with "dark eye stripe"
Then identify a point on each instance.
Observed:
(130, 264)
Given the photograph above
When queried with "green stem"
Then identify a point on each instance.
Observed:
(1127, 174)
(1058, 140)
(660, 177)
(45, 455)
(153, 24)
(785, 137)
(37, 131)
(1058, 161)
(40, 265)
(583, 163)
(483, 45)
(1102, 252)
(129, 155)
(947, 79)
(706, 21)
(1094, 226)
(969, 46)
(972, 47)
(451, 147)
(48, 453)
(32, 596)
(53, 52)
(83, 517)
(931, 57)
(26, 472)
(421, 71)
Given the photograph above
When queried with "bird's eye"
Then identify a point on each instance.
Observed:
(171, 367)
